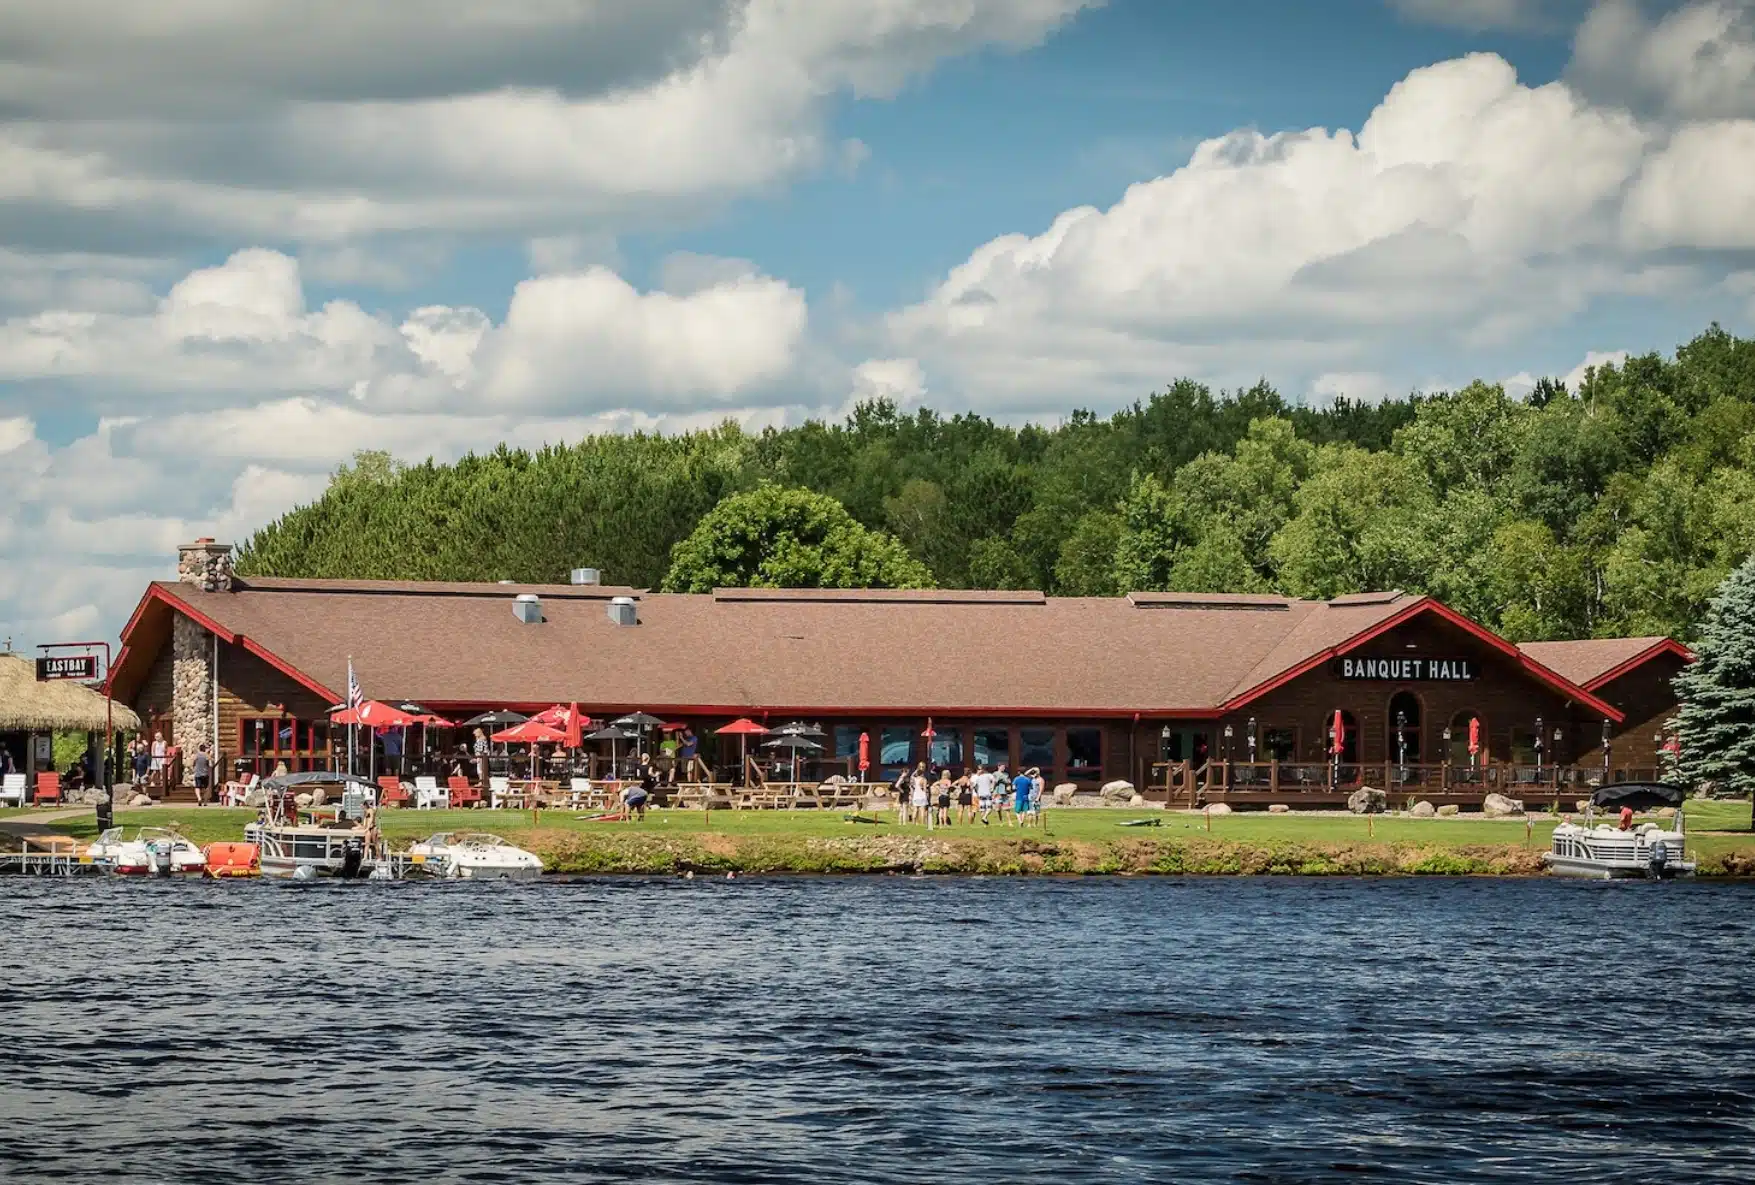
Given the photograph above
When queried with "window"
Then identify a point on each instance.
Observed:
(847, 741)
(1404, 728)
(1036, 747)
(947, 748)
(1279, 744)
(895, 753)
(1523, 746)
(264, 742)
(992, 746)
(1084, 752)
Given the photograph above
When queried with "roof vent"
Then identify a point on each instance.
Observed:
(623, 612)
(527, 607)
(587, 576)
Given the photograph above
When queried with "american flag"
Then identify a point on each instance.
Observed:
(354, 696)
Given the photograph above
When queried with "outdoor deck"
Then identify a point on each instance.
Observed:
(1311, 786)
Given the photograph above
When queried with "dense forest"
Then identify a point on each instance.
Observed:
(1611, 509)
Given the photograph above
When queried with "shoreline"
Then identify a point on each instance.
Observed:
(1074, 844)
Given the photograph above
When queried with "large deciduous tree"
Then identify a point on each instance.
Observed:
(779, 537)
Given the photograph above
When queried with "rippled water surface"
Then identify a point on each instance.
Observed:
(879, 1030)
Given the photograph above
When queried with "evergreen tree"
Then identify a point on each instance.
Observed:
(1717, 718)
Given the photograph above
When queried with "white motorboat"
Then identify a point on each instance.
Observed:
(146, 851)
(473, 855)
(1609, 853)
(308, 846)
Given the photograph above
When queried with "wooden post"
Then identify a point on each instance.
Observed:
(1274, 775)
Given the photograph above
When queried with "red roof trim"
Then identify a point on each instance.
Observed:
(158, 592)
(1427, 605)
(956, 713)
(1661, 646)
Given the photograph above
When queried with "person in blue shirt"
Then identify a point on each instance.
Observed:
(1021, 798)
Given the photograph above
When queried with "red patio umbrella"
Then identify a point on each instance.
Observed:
(742, 728)
(1474, 737)
(575, 727)
(373, 714)
(532, 733)
(1340, 734)
(864, 754)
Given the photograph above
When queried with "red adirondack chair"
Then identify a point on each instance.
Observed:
(392, 793)
(462, 793)
(48, 788)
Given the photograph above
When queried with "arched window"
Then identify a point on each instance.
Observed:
(1404, 728)
(1459, 738)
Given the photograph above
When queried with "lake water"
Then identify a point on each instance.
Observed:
(879, 1029)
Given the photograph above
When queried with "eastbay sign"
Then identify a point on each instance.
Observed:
(1408, 670)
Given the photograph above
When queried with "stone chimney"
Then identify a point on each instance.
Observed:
(206, 565)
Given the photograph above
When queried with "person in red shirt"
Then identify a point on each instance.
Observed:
(1627, 818)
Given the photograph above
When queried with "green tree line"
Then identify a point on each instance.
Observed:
(1614, 508)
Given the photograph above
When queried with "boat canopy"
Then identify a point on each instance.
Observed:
(317, 777)
(1641, 796)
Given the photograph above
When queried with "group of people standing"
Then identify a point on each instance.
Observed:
(925, 797)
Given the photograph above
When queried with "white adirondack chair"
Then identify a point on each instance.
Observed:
(499, 786)
(12, 789)
(429, 795)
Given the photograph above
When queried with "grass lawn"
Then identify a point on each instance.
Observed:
(207, 824)
(794, 840)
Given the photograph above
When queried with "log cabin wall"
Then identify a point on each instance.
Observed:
(1508, 699)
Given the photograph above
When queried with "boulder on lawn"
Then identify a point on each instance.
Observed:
(256, 797)
(140, 800)
(1668, 812)
(1424, 810)
(1117, 791)
(1137, 800)
(1449, 811)
(1064, 793)
(1497, 806)
(1219, 808)
(1582, 805)
(1367, 801)
(1279, 808)
(302, 800)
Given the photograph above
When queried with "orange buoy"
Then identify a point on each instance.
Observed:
(232, 859)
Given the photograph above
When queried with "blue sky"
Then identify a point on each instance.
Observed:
(241, 239)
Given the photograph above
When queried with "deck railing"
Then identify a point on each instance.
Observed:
(1182, 782)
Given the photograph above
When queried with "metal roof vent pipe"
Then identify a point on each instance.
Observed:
(622, 611)
(527, 607)
(587, 576)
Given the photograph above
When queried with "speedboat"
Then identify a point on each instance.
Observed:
(1609, 853)
(148, 851)
(473, 855)
(303, 844)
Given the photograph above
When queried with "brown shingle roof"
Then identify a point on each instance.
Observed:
(772, 649)
(1587, 661)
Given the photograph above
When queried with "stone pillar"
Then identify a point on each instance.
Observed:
(191, 691)
(205, 566)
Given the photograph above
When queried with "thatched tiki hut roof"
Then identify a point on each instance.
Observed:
(59, 705)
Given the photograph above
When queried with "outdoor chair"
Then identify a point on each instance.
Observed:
(233, 793)
(499, 789)
(49, 788)
(579, 794)
(12, 789)
(392, 792)
(428, 796)
(463, 794)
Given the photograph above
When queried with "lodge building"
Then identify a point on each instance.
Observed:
(1208, 695)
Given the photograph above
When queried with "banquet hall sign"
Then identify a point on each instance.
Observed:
(1407, 670)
